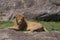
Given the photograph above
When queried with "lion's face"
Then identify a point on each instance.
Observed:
(19, 18)
(21, 23)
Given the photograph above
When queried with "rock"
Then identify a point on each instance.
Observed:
(32, 9)
(8, 34)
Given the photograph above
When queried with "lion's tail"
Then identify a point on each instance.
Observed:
(45, 29)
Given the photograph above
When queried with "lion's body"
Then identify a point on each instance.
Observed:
(34, 26)
(22, 24)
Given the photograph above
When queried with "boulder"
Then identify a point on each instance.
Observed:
(32, 9)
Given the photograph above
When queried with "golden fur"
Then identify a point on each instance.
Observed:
(22, 24)
(34, 26)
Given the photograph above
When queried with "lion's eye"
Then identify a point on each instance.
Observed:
(21, 19)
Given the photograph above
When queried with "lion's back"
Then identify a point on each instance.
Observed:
(33, 26)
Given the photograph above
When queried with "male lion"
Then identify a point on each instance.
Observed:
(19, 22)
(22, 24)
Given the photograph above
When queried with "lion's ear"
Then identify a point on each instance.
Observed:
(23, 17)
(14, 17)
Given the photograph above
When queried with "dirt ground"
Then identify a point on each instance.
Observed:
(9, 34)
